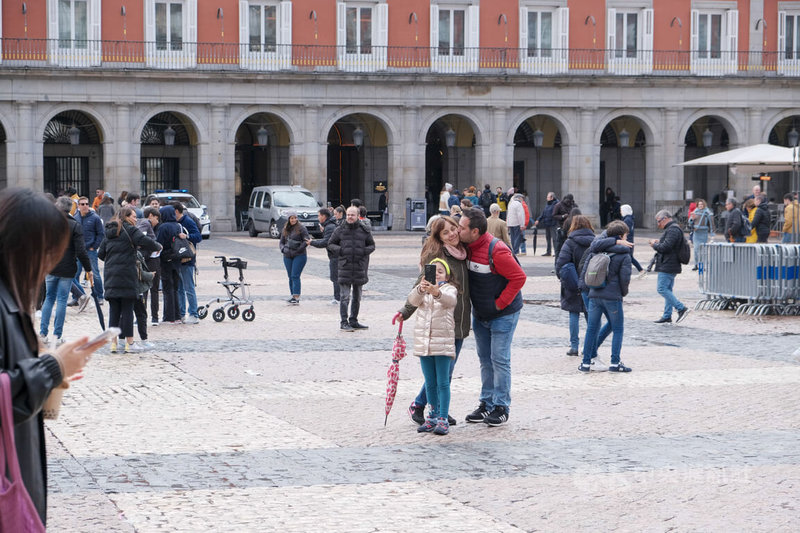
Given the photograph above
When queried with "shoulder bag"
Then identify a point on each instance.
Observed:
(17, 512)
(144, 281)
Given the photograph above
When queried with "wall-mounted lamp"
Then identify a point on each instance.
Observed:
(74, 134)
(586, 22)
(413, 18)
(450, 138)
(123, 13)
(220, 13)
(261, 137)
(708, 138)
(538, 138)
(312, 15)
(624, 138)
(763, 23)
(221, 18)
(358, 137)
(24, 8)
(169, 136)
(502, 19)
(793, 137)
(680, 25)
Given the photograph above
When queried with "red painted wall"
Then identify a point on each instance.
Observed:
(14, 20)
(416, 33)
(494, 32)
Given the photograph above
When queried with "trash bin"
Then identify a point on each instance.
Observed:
(416, 217)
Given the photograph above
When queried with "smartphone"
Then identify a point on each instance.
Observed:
(430, 274)
(101, 339)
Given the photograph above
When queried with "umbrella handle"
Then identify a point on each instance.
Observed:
(400, 329)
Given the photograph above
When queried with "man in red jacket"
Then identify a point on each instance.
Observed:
(495, 283)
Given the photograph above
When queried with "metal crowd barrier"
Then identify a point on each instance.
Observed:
(753, 279)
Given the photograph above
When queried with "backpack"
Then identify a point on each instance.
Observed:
(492, 244)
(597, 270)
(182, 250)
(569, 277)
(685, 251)
(486, 198)
(746, 227)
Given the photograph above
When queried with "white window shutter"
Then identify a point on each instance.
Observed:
(150, 32)
(244, 33)
(285, 34)
(562, 40)
(341, 31)
(473, 37)
(52, 30)
(694, 40)
(434, 44)
(523, 33)
(646, 53)
(1, 31)
(732, 42)
(611, 40)
(381, 35)
(781, 36)
(191, 32)
(95, 35)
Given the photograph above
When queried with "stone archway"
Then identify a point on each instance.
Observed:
(705, 136)
(623, 168)
(72, 153)
(449, 158)
(169, 154)
(538, 160)
(785, 132)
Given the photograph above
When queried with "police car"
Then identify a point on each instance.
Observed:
(190, 203)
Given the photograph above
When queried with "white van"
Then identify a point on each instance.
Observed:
(266, 211)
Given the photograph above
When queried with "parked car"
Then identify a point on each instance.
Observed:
(266, 211)
(190, 203)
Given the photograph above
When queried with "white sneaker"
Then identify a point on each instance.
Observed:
(132, 347)
(45, 340)
(598, 365)
(59, 341)
(334, 302)
(146, 345)
(83, 301)
(191, 320)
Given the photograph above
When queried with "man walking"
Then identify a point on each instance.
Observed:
(351, 243)
(93, 235)
(328, 226)
(548, 223)
(495, 280)
(668, 265)
(733, 222)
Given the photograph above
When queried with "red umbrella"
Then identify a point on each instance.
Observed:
(393, 374)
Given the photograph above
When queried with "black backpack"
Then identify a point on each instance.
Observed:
(486, 198)
(685, 251)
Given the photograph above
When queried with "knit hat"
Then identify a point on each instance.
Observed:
(625, 210)
(290, 213)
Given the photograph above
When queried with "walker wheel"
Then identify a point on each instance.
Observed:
(202, 312)
(233, 312)
(248, 315)
(218, 315)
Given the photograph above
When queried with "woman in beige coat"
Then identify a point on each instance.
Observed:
(434, 342)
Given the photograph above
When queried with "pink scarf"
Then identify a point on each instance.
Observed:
(456, 252)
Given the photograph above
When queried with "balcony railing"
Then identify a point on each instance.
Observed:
(43, 53)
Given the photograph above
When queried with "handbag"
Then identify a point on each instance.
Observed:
(144, 278)
(17, 512)
(183, 250)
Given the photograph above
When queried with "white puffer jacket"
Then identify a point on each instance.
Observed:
(434, 332)
(516, 213)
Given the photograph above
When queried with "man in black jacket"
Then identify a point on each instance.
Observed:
(59, 280)
(733, 222)
(328, 226)
(352, 244)
(668, 265)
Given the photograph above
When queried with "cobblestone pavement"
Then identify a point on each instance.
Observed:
(278, 424)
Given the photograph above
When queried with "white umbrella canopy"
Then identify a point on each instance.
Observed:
(751, 159)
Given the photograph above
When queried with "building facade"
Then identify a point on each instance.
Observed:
(564, 96)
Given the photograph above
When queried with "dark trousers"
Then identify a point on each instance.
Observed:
(551, 234)
(140, 312)
(333, 265)
(120, 315)
(154, 265)
(169, 286)
(344, 301)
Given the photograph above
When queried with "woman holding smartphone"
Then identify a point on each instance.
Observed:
(444, 244)
(33, 236)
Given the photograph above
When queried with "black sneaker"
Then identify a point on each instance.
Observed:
(682, 314)
(663, 320)
(346, 327)
(497, 417)
(479, 414)
(417, 413)
(572, 352)
(451, 420)
(358, 325)
(619, 367)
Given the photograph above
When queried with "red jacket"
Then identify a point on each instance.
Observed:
(494, 293)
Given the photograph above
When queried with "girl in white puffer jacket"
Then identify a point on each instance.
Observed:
(434, 342)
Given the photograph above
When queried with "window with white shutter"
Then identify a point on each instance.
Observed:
(74, 32)
(265, 35)
(455, 38)
(171, 33)
(362, 35)
(630, 41)
(543, 39)
(714, 41)
(789, 43)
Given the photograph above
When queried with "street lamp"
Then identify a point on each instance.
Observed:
(450, 138)
(793, 136)
(169, 136)
(624, 138)
(358, 137)
(708, 138)
(261, 137)
(74, 135)
(538, 138)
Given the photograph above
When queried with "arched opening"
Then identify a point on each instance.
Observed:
(707, 135)
(537, 160)
(784, 133)
(3, 159)
(168, 154)
(449, 158)
(358, 160)
(623, 169)
(73, 154)
(261, 156)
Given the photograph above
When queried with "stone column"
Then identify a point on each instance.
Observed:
(307, 169)
(664, 179)
(125, 173)
(583, 181)
(21, 154)
(740, 182)
(217, 188)
(409, 177)
(501, 171)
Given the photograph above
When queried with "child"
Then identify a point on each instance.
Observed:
(434, 342)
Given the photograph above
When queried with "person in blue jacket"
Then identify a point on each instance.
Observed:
(165, 234)
(187, 295)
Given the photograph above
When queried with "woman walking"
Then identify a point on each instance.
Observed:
(120, 277)
(293, 243)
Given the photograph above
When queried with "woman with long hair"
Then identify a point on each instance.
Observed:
(120, 277)
(444, 244)
(293, 244)
(33, 237)
(701, 226)
(579, 238)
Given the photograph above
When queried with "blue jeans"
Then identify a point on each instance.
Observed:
(612, 309)
(664, 287)
(493, 340)
(515, 234)
(57, 292)
(422, 397)
(786, 238)
(699, 238)
(436, 369)
(98, 281)
(294, 267)
(574, 331)
(186, 290)
(605, 331)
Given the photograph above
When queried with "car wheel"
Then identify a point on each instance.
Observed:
(251, 228)
(274, 232)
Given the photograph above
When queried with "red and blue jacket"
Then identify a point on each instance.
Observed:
(494, 292)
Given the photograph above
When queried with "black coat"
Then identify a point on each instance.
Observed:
(294, 244)
(119, 255)
(76, 249)
(32, 379)
(667, 248)
(576, 244)
(561, 211)
(352, 244)
(733, 224)
(761, 223)
(327, 232)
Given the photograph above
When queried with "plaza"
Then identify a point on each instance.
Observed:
(278, 424)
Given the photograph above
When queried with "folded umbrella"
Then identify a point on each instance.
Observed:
(393, 374)
(100, 316)
(535, 235)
